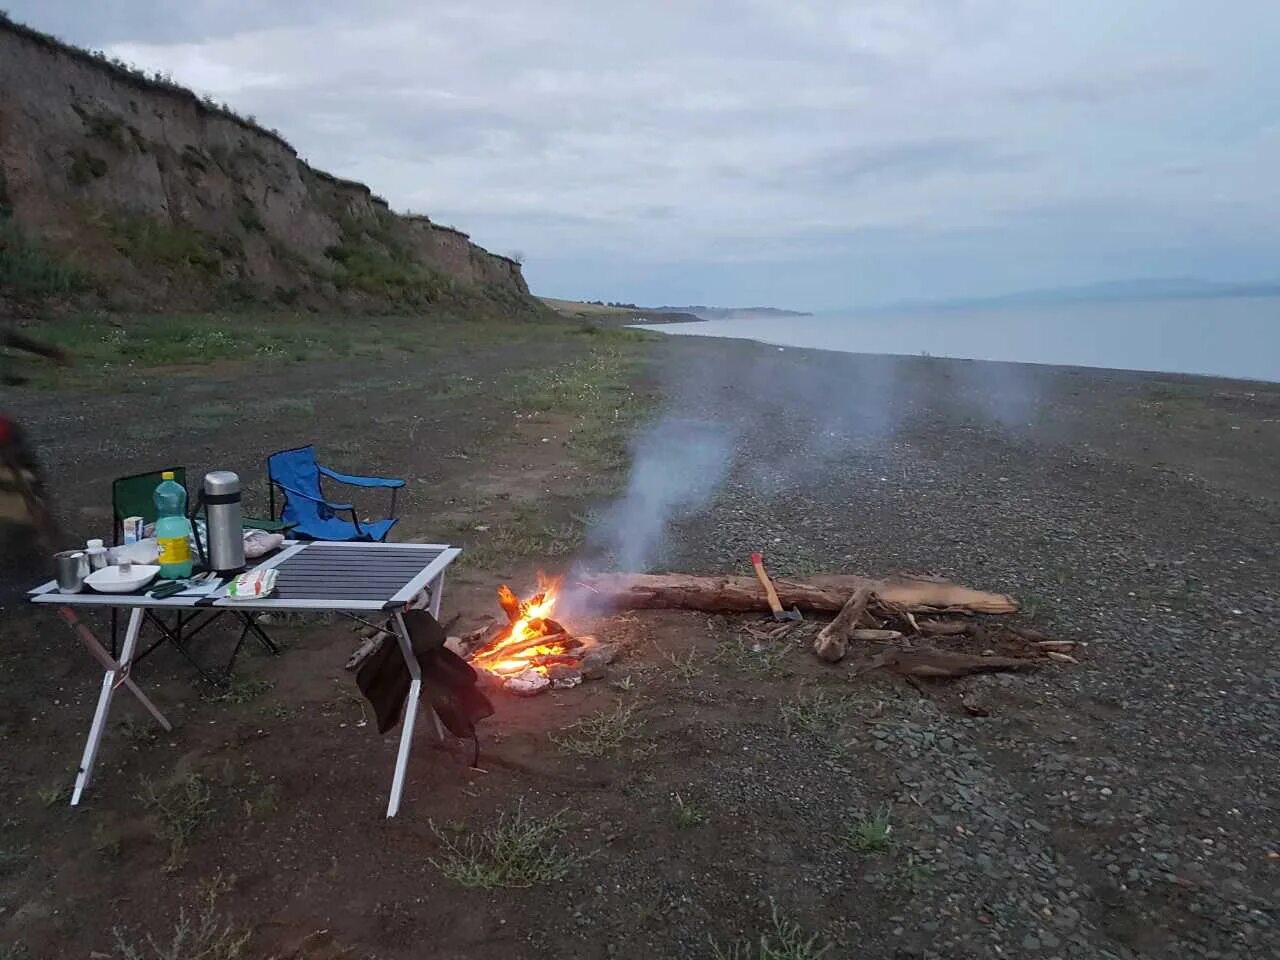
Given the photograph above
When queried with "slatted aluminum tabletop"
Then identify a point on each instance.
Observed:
(310, 576)
(349, 576)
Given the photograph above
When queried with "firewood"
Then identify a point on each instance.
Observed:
(1060, 657)
(1056, 646)
(875, 635)
(833, 640)
(367, 646)
(821, 594)
(933, 663)
(943, 628)
(561, 639)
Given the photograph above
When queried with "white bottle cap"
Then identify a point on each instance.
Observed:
(94, 545)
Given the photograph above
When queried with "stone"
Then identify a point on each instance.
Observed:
(530, 683)
(596, 660)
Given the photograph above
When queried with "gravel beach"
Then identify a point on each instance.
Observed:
(1125, 807)
(1122, 807)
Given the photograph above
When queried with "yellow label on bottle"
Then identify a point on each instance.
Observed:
(174, 550)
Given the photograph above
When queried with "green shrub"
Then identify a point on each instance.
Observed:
(85, 167)
(29, 270)
(148, 240)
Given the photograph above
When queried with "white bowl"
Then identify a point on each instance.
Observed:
(110, 580)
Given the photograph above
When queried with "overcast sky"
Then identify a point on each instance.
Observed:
(809, 154)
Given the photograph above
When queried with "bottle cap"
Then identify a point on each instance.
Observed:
(167, 475)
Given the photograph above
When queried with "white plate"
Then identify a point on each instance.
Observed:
(110, 580)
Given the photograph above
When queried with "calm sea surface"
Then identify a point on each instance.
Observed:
(1223, 337)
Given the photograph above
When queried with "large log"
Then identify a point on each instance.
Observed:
(822, 594)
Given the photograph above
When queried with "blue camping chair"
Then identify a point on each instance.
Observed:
(297, 475)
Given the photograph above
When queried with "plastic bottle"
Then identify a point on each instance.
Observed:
(172, 528)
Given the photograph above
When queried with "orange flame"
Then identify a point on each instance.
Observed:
(513, 650)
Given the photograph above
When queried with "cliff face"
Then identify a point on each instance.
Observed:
(139, 189)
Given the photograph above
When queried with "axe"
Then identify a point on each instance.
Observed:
(775, 605)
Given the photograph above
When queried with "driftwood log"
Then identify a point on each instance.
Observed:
(833, 640)
(822, 594)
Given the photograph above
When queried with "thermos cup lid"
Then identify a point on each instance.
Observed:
(221, 483)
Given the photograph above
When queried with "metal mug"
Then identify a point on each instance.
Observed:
(71, 567)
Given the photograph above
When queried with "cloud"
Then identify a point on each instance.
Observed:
(718, 139)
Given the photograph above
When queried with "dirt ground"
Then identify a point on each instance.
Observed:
(714, 796)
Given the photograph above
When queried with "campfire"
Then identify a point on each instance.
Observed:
(533, 651)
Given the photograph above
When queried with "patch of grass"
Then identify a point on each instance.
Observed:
(372, 258)
(517, 851)
(265, 803)
(598, 734)
(85, 167)
(15, 951)
(104, 126)
(624, 684)
(138, 733)
(203, 934)
(687, 815)
(784, 940)
(871, 835)
(528, 532)
(687, 667)
(11, 858)
(27, 269)
(913, 877)
(239, 690)
(814, 713)
(249, 219)
(210, 415)
(51, 796)
(149, 240)
(288, 406)
(748, 655)
(179, 808)
(105, 839)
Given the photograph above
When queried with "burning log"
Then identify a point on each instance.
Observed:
(822, 594)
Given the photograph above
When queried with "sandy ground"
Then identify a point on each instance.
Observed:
(724, 790)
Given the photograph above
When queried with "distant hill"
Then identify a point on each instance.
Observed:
(1159, 288)
(732, 313)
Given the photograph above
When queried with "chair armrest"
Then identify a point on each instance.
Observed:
(352, 480)
(307, 496)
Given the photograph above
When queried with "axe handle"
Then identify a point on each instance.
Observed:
(775, 604)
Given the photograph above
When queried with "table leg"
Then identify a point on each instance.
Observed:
(104, 705)
(410, 715)
(437, 590)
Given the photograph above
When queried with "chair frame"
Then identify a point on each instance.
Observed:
(351, 480)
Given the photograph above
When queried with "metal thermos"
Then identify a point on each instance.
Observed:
(221, 496)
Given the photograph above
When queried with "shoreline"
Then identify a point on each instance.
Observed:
(1035, 364)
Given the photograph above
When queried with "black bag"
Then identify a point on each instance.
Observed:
(448, 681)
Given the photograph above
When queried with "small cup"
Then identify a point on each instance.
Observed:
(126, 567)
(71, 567)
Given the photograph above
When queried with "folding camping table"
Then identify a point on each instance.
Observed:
(350, 578)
